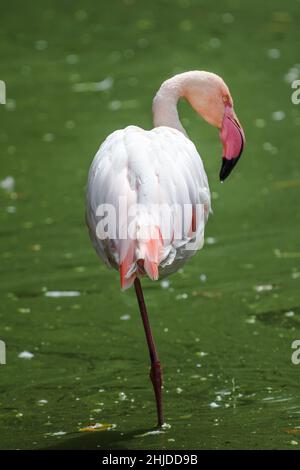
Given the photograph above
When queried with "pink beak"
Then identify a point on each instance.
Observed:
(233, 140)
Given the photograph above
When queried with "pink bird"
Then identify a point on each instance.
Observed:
(148, 197)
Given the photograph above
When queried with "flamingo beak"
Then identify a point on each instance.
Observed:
(233, 140)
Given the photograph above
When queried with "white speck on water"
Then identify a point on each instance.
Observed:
(100, 425)
(224, 392)
(24, 310)
(213, 404)
(11, 149)
(49, 137)
(58, 433)
(290, 314)
(10, 105)
(186, 121)
(273, 53)
(166, 330)
(211, 240)
(214, 43)
(125, 317)
(263, 288)
(165, 284)
(270, 148)
(251, 320)
(72, 59)
(70, 124)
(292, 74)
(294, 443)
(114, 105)
(166, 426)
(278, 115)
(8, 184)
(42, 402)
(260, 123)
(103, 85)
(11, 209)
(228, 18)
(25, 355)
(203, 277)
(179, 390)
(201, 354)
(76, 307)
(41, 45)
(181, 296)
(151, 433)
(57, 293)
(295, 275)
(122, 396)
(248, 266)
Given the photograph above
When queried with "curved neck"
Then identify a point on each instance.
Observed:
(206, 92)
(165, 104)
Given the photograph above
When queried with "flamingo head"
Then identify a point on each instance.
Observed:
(210, 97)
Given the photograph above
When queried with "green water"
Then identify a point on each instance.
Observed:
(89, 365)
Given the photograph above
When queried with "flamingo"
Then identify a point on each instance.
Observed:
(135, 172)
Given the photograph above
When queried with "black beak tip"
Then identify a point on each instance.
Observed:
(227, 167)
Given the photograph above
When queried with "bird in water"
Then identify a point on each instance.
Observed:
(148, 198)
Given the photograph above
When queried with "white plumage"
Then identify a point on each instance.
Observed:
(149, 168)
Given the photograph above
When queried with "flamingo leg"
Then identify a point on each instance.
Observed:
(155, 371)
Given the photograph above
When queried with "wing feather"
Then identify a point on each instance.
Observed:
(148, 170)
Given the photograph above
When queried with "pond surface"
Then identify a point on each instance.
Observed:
(224, 325)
